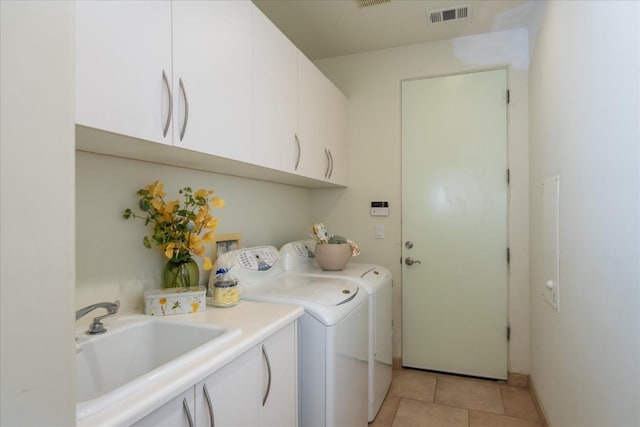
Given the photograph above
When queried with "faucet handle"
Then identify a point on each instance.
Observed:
(96, 326)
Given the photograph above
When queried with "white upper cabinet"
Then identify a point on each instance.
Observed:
(275, 99)
(212, 77)
(312, 119)
(216, 78)
(337, 139)
(123, 67)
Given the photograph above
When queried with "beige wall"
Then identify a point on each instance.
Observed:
(371, 81)
(37, 217)
(585, 126)
(113, 264)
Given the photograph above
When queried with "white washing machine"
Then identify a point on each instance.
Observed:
(298, 259)
(332, 335)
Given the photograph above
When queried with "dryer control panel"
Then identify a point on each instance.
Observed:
(258, 259)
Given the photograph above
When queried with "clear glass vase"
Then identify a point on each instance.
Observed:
(181, 274)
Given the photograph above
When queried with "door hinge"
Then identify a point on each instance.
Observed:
(508, 176)
(508, 256)
(508, 96)
(508, 333)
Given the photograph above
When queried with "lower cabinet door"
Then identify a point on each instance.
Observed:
(279, 396)
(229, 396)
(178, 412)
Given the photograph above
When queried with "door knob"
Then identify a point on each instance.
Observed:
(410, 261)
(408, 244)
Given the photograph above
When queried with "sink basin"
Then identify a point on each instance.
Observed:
(135, 352)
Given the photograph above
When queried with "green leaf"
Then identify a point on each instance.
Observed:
(146, 242)
(127, 213)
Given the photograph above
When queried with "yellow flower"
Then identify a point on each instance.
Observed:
(158, 205)
(163, 301)
(195, 306)
(208, 238)
(178, 225)
(168, 251)
(207, 263)
(212, 223)
(156, 189)
(202, 194)
(201, 215)
(217, 202)
(171, 206)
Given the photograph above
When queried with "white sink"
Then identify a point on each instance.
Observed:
(135, 352)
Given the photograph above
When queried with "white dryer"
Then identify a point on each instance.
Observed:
(298, 259)
(332, 335)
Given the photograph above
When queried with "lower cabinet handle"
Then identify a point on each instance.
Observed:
(170, 112)
(266, 359)
(212, 420)
(186, 109)
(331, 159)
(299, 151)
(187, 411)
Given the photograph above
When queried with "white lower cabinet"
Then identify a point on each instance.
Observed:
(174, 413)
(258, 388)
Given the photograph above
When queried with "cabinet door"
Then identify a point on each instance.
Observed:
(172, 413)
(279, 392)
(213, 77)
(275, 102)
(312, 119)
(232, 394)
(337, 139)
(123, 56)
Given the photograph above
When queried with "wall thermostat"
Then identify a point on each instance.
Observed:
(380, 208)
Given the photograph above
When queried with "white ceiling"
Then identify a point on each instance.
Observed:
(326, 28)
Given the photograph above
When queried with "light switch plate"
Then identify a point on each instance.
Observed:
(379, 231)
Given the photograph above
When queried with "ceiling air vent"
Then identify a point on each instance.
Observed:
(450, 14)
(367, 3)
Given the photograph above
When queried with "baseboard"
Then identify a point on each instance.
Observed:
(536, 401)
(397, 363)
(518, 380)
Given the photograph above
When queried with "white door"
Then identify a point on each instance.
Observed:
(454, 212)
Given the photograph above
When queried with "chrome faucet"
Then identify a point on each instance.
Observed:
(97, 327)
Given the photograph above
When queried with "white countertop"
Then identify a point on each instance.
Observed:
(257, 321)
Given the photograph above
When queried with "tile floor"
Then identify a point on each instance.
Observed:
(418, 398)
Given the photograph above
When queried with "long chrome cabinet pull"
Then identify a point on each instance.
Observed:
(212, 420)
(185, 405)
(331, 159)
(299, 151)
(326, 171)
(186, 109)
(266, 359)
(170, 112)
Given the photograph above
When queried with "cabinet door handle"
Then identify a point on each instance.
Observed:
(212, 420)
(299, 151)
(266, 359)
(331, 160)
(186, 109)
(187, 411)
(326, 171)
(170, 112)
